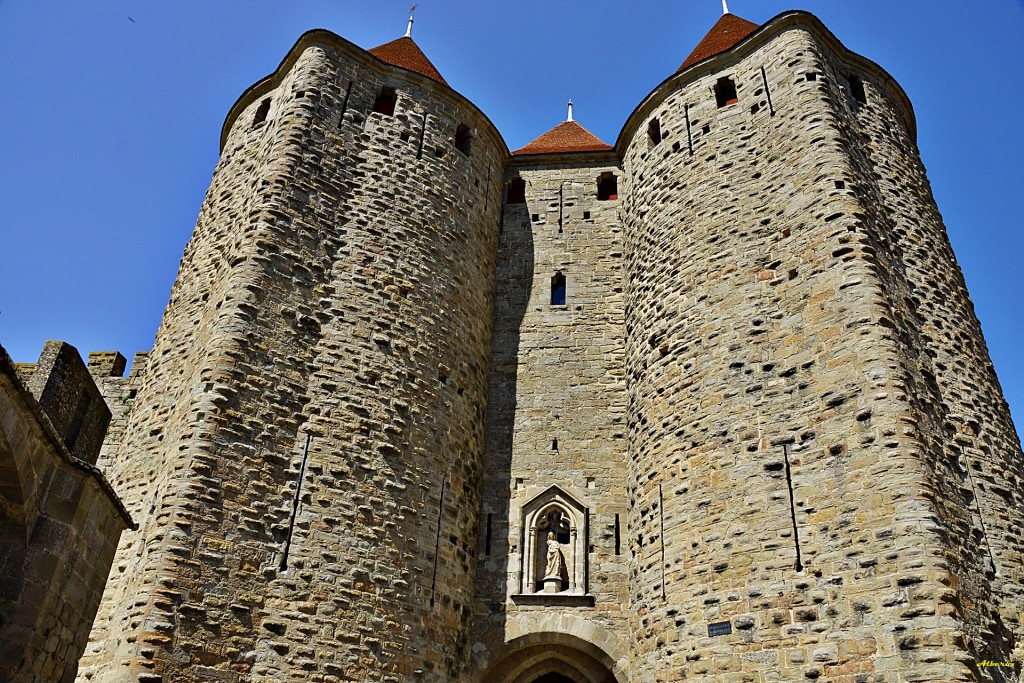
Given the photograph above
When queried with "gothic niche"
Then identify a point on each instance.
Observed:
(554, 554)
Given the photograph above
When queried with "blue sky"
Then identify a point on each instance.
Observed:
(112, 111)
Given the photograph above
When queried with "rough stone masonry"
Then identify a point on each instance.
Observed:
(710, 403)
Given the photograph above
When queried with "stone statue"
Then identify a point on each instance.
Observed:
(555, 561)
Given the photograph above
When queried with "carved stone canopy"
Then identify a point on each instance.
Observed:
(555, 566)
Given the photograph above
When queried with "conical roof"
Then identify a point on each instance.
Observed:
(564, 138)
(725, 34)
(405, 53)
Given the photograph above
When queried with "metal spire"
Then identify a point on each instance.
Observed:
(570, 112)
(408, 30)
(725, 7)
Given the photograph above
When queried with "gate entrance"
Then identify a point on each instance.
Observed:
(552, 658)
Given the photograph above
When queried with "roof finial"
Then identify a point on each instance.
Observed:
(725, 7)
(570, 111)
(408, 30)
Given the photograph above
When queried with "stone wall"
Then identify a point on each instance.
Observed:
(556, 407)
(59, 518)
(789, 475)
(977, 460)
(312, 407)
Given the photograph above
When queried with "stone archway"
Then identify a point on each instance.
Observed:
(552, 658)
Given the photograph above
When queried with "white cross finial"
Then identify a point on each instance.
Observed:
(409, 30)
(725, 7)
(570, 111)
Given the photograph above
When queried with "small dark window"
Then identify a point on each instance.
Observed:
(617, 536)
(558, 289)
(463, 139)
(653, 133)
(261, 112)
(554, 444)
(857, 89)
(487, 542)
(385, 102)
(725, 92)
(811, 76)
(706, 129)
(535, 217)
(607, 187)
(516, 191)
(586, 215)
(840, 185)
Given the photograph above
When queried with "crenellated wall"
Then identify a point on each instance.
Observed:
(311, 410)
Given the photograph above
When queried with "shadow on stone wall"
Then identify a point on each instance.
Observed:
(514, 283)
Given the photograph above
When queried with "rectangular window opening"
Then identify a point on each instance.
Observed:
(516, 191)
(607, 187)
(261, 112)
(463, 139)
(385, 102)
(857, 89)
(558, 289)
(725, 92)
(653, 133)
(617, 536)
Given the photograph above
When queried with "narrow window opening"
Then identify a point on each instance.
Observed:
(261, 112)
(706, 129)
(344, 104)
(725, 92)
(516, 191)
(840, 185)
(463, 139)
(295, 504)
(535, 217)
(558, 289)
(689, 133)
(653, 133)
(423, 131)
(767, 91)
(487, 540)
(437, 540)
(857, 89)
(618, 536)
(607, 187)
(586, 215)
(792, 507)
(811, 76)
(554, 444)
(385, 102)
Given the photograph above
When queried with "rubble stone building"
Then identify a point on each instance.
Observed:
(709, 404)
(60, 520)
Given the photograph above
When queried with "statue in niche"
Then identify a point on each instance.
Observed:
(556, 563)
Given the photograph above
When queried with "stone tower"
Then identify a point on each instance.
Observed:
(708, 404)
(312, 410)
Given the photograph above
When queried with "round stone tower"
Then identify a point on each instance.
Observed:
(305, 452)
(810, 485)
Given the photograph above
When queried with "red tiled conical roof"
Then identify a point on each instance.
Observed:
(565, 138)
(726, 33)
(407, 54)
